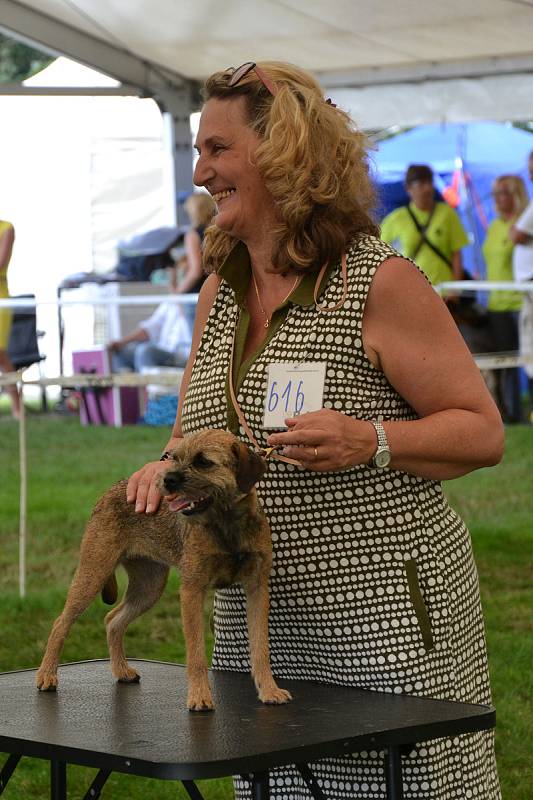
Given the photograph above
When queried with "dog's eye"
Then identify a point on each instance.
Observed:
(201, 462)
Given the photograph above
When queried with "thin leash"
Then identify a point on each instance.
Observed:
(271, 452)
(344, 270)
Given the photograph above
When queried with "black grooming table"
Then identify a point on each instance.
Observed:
(145, 729)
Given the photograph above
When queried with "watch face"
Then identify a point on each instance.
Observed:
(382, 459)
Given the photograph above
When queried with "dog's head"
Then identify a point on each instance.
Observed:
(209, 467)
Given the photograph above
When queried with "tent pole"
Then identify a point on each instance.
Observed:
(23, 494)
(176, 108)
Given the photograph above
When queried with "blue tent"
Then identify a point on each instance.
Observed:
(466, 157)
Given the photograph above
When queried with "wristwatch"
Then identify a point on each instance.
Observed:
(382, 456)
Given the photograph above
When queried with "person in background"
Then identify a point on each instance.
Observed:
(187, 275)
(190, 275)
(521, 234)
(162, 340)
(7, 239)
(427, 231)
(373, 582)
(510, 198)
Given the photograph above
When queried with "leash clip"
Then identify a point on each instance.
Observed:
(266, 452)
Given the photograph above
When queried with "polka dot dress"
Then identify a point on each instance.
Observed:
(373, 583)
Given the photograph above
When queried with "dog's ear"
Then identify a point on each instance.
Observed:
(250, 467)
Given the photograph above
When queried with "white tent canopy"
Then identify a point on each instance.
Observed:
(403, 63)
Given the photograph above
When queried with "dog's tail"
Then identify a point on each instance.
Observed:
(110, 590)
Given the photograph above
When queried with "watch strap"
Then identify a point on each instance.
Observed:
(383, 443)
(382, 436)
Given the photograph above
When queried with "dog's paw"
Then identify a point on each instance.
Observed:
(128, 675)
(200, 700)
(274, 695)
(46, 682)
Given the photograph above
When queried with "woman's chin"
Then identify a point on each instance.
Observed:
(224, 223)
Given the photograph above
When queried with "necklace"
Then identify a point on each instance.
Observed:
(291, 290)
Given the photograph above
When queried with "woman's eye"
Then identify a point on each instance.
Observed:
(201, 462)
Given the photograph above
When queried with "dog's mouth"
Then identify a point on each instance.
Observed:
(188, 506)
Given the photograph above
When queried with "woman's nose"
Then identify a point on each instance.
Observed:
(202, 172)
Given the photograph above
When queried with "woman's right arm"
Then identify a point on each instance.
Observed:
(142, 486)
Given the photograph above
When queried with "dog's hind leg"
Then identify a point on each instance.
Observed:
(88, 581)
(146, 582)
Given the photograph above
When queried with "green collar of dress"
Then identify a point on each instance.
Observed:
(236, 271)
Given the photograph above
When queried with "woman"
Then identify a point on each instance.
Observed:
(200, 208)
(510, 198)
(402, 406)
(7, 239)
(188, 274)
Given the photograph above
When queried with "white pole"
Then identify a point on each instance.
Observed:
(23, 495)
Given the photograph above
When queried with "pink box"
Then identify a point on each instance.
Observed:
(111, 406)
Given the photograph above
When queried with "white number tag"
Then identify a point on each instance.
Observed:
(292, 389)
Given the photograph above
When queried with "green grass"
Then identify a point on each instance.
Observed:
(70, 466)
(498, 507)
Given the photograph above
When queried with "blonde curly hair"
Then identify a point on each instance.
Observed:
(313, 162)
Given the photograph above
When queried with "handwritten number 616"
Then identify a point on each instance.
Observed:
(284, 395)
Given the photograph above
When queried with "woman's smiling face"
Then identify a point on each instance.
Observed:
(226, 146)
(503, 198)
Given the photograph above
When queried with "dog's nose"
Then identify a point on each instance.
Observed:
(173, 481)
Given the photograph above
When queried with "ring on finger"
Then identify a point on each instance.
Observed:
(315, 452)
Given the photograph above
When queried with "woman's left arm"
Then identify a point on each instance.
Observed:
(409, 334)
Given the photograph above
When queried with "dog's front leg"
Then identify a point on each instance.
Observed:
(192, 606)
(257, 604)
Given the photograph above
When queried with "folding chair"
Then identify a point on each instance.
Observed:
(23, 345)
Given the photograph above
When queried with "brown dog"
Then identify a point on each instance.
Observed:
(213, 530)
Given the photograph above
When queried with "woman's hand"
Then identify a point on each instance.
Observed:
(327, 440)
(143, 487)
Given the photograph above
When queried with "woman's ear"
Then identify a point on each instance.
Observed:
(250, 467)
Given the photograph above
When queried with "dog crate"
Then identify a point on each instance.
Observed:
(104, 406)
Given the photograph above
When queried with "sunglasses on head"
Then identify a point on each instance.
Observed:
(240, 72)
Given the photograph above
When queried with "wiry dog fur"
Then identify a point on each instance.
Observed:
(212, 528)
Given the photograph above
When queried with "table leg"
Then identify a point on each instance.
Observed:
(95, 789)
(7, 770)
(192, 790)
(58, 780)
(393, 773)
(311, 781)
(260, 786)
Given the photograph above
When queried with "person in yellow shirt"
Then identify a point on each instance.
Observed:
(427, 231)
(510, 198)
(7, 238)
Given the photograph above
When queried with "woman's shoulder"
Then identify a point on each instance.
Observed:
(206, 300)
(210, 288)
(366, 246)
